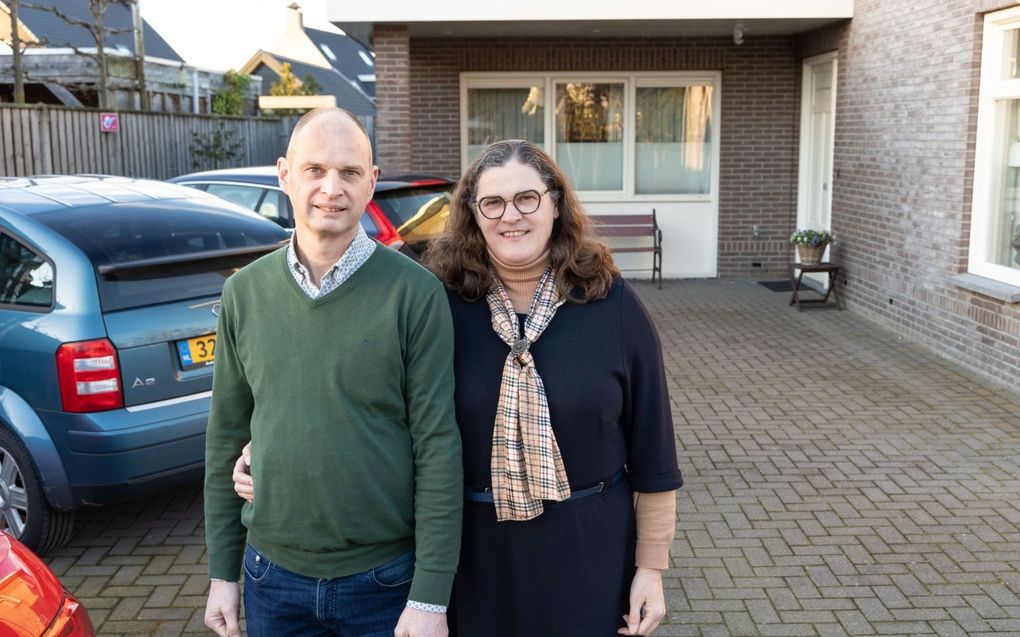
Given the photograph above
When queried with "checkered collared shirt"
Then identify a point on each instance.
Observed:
(357, 253)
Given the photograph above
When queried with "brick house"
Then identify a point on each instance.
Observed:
(897, 125)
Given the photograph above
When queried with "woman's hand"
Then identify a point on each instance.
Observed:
(647, 603)
(244, 486)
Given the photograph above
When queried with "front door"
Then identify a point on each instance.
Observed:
(817, 130)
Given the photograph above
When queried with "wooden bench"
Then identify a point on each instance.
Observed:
(609, 226)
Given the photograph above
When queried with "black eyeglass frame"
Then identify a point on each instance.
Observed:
(547, 191)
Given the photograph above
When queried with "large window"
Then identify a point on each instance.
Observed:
(508, 112)
(674, 139)
(589, 133)
(995, 223)
(614, 135)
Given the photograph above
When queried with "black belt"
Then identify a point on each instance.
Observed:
(485, 495)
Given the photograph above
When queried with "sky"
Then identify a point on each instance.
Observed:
(224, 34)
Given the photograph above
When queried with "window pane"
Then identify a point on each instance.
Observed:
(246, 196)
(274, 207)
(495, 114)
(25, 278)
(589, 134)
(1010, 53)
(1004, 227)
(673, 140)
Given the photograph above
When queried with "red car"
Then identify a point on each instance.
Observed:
(406, 211)
(32, 601)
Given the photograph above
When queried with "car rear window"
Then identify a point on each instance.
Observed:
(124, 233)
(403, 205)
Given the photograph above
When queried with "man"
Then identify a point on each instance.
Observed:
(334, 357)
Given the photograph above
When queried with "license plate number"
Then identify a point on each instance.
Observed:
(197, 352)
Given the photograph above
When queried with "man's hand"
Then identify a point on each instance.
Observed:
(222, 611)
(647, 603)
(244, 485)
(419, 623)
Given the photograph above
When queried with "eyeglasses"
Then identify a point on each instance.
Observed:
(526, 202)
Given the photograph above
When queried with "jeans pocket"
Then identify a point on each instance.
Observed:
(256, 566)
(396, 572)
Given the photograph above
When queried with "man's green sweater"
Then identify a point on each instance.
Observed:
(348, 401)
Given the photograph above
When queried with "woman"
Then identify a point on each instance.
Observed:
(569, 455)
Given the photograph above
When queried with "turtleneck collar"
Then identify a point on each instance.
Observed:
(521, 281)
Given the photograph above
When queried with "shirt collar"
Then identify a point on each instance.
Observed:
(354, 257)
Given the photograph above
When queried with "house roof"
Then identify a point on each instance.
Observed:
(347, 57)
(348, 95)
(56, 32)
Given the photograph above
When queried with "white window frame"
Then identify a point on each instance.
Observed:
(630, 81)
(990, 146)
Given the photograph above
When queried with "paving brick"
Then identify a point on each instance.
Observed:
(888, 505)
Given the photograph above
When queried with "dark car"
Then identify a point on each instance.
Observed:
(404, 214)
(109, 291)
(33, 601)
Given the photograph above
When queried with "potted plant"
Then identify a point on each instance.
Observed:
(1016, 244)
(811, 244)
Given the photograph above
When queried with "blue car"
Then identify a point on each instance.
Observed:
(109, 291)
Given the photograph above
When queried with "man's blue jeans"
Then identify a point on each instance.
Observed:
(279, 603)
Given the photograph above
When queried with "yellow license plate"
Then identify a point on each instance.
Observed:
(197, 352)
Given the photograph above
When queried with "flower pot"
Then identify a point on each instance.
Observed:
(810, 255)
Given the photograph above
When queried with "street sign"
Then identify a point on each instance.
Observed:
(109, 122)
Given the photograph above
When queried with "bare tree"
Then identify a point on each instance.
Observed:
(19, 77)
(99, 33)
(18, 47)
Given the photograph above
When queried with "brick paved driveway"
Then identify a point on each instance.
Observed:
(840, 481)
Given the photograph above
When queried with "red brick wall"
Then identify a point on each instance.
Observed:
(904, 155)
(759, 120)
(393, 98)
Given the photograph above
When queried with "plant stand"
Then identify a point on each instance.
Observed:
(797, 271)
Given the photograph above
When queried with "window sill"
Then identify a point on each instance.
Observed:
(987, 287)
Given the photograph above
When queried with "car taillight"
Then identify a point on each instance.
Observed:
(89, 376)
(386, 234)
(71, 620)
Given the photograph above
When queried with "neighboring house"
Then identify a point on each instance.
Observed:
(897, 125)
(56, 75)
(341, 67)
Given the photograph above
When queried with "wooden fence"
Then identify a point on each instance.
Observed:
(39, 140)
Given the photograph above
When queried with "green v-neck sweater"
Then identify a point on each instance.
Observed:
(348, 401)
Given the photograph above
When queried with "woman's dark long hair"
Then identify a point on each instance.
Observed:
(583, 265)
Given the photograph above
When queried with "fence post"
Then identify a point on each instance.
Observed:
(44, 141)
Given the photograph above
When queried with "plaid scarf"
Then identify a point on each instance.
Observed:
(526, 463)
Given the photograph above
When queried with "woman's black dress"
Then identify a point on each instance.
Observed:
(567, 572)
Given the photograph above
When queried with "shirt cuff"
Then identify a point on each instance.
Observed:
(428, 608)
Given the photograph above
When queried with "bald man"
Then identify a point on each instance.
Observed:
(334, 357)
